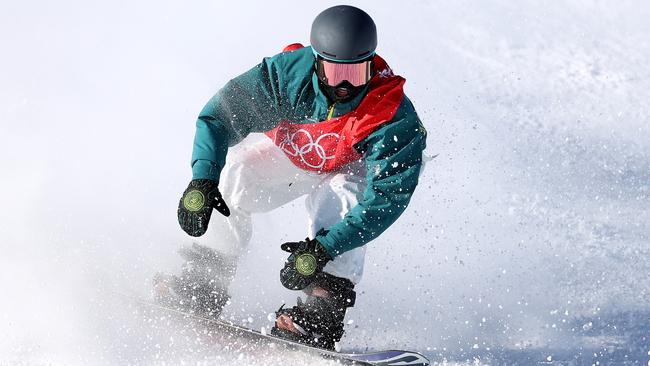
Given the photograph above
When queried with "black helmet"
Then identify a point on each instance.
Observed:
(344, 33)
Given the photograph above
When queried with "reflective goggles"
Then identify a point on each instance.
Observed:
(334, 73)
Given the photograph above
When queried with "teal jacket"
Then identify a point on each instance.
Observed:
(285, 87)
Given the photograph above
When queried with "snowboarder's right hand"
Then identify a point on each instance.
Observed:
(195, 207)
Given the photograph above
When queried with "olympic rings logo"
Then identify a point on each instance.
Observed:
(290, 147)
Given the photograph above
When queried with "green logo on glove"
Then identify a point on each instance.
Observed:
(306, 264)
(194, 201)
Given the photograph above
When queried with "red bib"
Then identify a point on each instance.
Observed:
(328, 145)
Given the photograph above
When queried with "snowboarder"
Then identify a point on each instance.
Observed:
(340, 132)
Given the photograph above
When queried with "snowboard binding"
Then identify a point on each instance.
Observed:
(318, 321)
(201, 287)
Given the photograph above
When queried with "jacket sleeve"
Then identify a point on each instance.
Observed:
(393, 156)
(248, 103)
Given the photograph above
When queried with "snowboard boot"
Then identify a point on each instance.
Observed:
(318, 321)
(201, 287)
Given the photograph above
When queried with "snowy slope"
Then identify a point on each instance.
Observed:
(528, 240)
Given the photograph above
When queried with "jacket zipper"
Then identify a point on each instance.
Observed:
(330, 113)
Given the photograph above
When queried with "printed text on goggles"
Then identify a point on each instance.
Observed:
(334, 73)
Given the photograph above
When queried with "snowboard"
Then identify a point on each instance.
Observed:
(379, 358)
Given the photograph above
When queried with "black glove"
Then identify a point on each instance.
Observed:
(195, 207)
(305, 263)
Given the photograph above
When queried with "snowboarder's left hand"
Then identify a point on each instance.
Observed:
(307, 260)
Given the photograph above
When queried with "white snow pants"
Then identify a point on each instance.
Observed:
(258, 177)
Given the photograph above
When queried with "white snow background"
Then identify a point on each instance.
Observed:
(527, 241)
